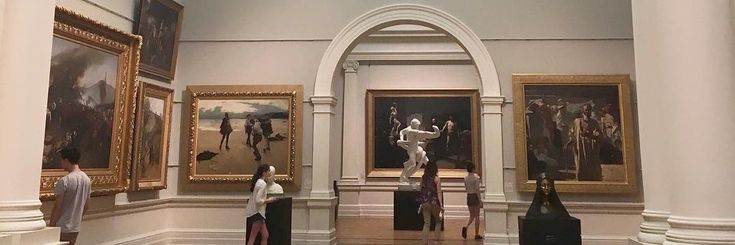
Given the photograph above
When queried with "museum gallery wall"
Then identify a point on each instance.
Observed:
(143, 151)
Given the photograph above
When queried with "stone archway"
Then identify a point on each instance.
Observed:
(321, 200)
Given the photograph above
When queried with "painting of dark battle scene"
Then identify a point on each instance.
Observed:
(158, 26)
(81, 104)
(151, 139)
(451, 114)
(235, 136)
(574, 132)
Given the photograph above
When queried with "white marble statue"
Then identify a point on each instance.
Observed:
(273, 188)
(411, 139)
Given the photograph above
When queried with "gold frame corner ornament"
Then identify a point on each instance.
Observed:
(622, 81)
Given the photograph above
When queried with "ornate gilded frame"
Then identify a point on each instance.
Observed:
(165, 94)
(294, 93)
(79, 29)
(149, 69)
(373, 172)
(629, 157)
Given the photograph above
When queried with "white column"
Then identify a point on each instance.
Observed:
(353, 135)
(321, 199)
(25, 58)
(495, 205)
(654, 158)
(697, 58)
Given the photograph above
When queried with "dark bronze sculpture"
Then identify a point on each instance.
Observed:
(546, 203)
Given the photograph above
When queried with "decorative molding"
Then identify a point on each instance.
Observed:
(386, 210)
(392, 186)
(350, 66)
(317, 39)
(428, 55)
(235, 202)
(323, 104)
(653, 228)
(492, 105)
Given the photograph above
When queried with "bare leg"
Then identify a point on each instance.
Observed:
(264, 234)
(257, 226)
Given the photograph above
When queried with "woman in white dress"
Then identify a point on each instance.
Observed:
(255, 210)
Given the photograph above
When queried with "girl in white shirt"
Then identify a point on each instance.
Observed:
(472, 185)
(255, 210)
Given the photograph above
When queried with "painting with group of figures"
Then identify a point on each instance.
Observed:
(454, 112)
(576, 129)
(90, 101)
(237, 128)
(160, 25)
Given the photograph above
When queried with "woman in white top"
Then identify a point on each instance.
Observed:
(472, 185)
(255, 210)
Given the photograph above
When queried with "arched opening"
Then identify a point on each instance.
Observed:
(326, 156)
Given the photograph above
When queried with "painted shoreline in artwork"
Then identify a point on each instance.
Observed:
(240, 159)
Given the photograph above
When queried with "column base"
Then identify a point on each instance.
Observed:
(21, 216)
(45, 236)
(322, 229)
(653, 228)
(686, 231)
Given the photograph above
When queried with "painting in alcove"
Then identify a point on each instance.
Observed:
(237, 128)
(152, 137)
(576, 129)
(454, 112)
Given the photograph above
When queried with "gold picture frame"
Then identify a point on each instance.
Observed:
(152, 137)
(90, 62)
(578, 129)
(272, 112)
(385, 160)
(159, 23)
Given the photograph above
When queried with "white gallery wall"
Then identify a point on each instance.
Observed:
(282, 42)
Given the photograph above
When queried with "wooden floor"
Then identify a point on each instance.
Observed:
(379, 231)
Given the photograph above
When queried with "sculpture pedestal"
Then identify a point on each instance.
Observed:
(406, 215)
(278, 221)
(562, 231)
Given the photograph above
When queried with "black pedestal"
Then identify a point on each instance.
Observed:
(563, 231)
(278, 221)
(406, 214)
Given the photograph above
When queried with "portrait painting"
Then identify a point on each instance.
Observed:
(453, 112)
(152, 137)
(577, 130)
(90, 100)
(235, 129)
(160, 25)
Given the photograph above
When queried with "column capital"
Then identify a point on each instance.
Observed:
(492, 104)
(323, 104)
(350, 66)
